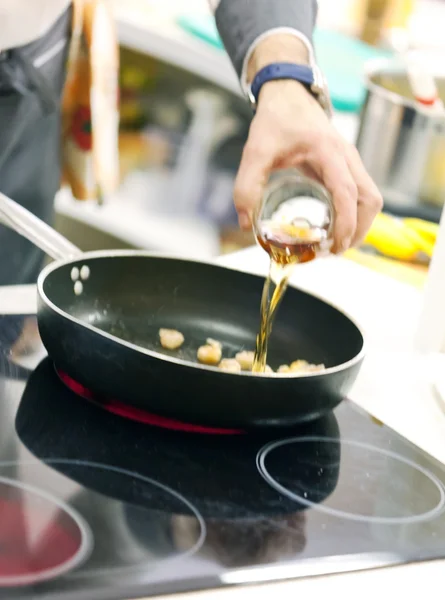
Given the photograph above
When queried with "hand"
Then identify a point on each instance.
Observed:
(290, 129)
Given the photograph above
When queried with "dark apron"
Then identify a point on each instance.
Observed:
(31, 84)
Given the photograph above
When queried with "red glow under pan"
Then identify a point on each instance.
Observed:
(141, 416)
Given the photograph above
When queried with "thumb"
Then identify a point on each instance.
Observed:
(253, 174)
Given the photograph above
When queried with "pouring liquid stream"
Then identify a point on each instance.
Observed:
(287, 245)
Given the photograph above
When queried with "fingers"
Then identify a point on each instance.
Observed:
(327, 158)
(256, 164)
(356, 198)
(308, 171)
(370, 201)
(329, 163)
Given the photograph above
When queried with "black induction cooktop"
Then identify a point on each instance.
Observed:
(97, 503)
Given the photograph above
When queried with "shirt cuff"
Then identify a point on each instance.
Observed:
(276, 30)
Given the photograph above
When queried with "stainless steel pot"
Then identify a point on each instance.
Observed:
(401, 144)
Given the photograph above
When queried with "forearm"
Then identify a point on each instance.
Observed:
(244, 23)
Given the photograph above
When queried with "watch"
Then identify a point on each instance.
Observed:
(311, 77)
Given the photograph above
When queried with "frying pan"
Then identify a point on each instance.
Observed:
(99, 314)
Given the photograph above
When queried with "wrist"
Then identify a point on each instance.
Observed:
(277, 48)
(287, 92)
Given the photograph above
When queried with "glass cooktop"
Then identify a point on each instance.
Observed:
(95, 503)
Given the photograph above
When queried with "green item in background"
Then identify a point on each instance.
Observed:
(340, 57)
(201, 26)
(342, 60)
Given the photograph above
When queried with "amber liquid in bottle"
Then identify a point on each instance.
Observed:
(286, 246)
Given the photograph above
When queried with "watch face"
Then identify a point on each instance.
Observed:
(251, 99)
(321, 91)
(325, 102)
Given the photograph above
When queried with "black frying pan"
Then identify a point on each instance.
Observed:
(102, 331)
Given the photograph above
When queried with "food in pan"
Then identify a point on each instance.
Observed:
(245, 359)
(300, 366)
(231, 365)
(171, 339)
(210, 353)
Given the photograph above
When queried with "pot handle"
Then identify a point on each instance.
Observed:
(36, 231)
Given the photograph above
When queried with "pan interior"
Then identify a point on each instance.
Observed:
(132, 297)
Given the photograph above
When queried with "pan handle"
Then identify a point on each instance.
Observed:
(36, 231)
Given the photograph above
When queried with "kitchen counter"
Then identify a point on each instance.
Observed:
(347, 586)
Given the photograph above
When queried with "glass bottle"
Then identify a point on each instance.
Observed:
(294, 221)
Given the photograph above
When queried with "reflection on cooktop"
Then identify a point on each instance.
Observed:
(423, 503)
(68, 541)
(246, 521)
(41, 537)
(216, 473)
(137, 509)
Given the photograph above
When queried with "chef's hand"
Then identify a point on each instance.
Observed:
(290, 129)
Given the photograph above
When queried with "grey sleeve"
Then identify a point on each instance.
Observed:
(240, 22)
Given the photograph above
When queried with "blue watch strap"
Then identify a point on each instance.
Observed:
(274, 71)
